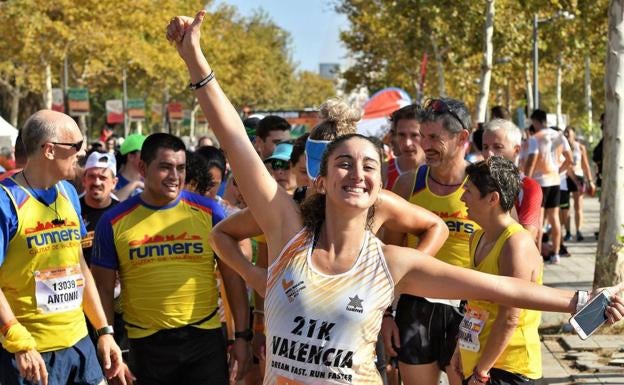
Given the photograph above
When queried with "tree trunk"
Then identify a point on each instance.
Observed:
(529, 90)
(193, 123)
(486, 67)
(588, 92)
(47, 91)
(558, 89)
(15, 99)
(82, 123)
(165, 113)
(440, 65)
(610, 255)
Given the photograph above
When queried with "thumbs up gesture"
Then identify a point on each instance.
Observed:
(184, 32)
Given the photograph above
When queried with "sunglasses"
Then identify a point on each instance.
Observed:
(278, 164)
(440, 107)
(77, 145)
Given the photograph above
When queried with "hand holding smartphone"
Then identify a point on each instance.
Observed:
(592, 315)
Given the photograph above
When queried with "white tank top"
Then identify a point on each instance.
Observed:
(576, 159)
(322, 329)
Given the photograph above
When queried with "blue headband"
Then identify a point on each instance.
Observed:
(314, 150)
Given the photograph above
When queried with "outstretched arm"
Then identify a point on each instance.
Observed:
(261, 192)
(424, 276)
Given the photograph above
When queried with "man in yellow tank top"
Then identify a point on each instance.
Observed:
(499, 344)
(425, 331)
(45, 284)
(158, 242)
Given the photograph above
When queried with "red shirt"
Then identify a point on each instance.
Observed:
(392, 174)
(529, 203)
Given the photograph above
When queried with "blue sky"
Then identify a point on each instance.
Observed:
(313, 25)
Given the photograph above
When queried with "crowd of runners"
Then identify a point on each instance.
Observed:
(331, 258)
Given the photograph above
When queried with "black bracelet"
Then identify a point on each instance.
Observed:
(203, 82)
(103, 331)
(246, 335)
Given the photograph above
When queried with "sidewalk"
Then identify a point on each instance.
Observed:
(566, 359)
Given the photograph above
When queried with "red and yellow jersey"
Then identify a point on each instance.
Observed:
(40, 274)
(165, 262)
(452, 211)
(322, 329)
(522, 354)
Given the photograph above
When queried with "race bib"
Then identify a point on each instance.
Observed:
(470, 328)
(59, 289)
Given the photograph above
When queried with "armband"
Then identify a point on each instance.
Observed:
(18, 339)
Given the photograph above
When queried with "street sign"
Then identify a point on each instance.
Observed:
(78, 100)
(58, 100)
(136, 109)
(114, 111)
(175, 112)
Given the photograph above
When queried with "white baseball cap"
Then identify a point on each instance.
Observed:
(102, 160)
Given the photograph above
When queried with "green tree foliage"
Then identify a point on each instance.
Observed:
(387, 40)
(312, 90)
(100, 38)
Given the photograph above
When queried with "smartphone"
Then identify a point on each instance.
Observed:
(591, 316)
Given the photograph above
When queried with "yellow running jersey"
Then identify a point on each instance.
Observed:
(40, 274)
(523, 352)
(165, 262)
(322, 329)
(452, 211)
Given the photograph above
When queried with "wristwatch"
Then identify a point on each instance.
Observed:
(582, 297)
(105, 330)
(246, 334)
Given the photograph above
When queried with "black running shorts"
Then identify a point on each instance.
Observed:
(186, 355)
(551, 197)
(427, 331)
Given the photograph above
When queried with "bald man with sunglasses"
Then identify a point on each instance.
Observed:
(423, 333)
(46, 287)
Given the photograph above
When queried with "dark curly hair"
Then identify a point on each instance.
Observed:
(496, 174)
(313, 207)
(197, 173)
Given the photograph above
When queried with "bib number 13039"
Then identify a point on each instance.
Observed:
(59, 289)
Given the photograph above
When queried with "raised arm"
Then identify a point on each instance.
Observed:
(273, 206)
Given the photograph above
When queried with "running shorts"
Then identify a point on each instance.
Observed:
(551, 197)
(427, 331)
(186, 355)
(74, 365)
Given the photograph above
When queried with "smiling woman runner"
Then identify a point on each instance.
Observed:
(329, 278)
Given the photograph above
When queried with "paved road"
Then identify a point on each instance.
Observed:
(595, 359)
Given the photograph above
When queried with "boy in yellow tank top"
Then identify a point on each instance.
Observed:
(496, 343)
